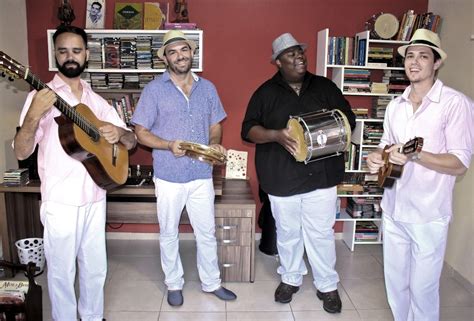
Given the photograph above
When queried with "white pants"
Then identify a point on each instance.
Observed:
(75, 233)
(198, 197)
(413, 260)
(306, 221)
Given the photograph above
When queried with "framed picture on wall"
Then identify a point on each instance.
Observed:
(95, 16)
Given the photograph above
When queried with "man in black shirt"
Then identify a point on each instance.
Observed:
(303, 196)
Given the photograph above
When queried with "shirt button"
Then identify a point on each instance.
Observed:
(310, 174)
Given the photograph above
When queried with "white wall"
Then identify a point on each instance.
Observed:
(457, 32)
(13, 41)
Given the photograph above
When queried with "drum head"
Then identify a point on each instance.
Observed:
(386, 26)
(203, 153)
(297, 133)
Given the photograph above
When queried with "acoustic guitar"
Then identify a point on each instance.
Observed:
(389, 171)
(79, 134)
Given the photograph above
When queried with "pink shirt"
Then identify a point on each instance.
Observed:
(64, 179)
(444, 119)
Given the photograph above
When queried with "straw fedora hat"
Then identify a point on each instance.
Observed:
(284, 42)
(426, 38)
(173, 36)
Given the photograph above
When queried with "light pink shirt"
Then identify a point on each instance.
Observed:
(444, 120)
(64, 179)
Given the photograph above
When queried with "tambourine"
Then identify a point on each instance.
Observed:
(382, 26)
(203, 153)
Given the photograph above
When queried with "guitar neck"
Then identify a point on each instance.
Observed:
(68, 111)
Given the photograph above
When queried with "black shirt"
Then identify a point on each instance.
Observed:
(271, 105)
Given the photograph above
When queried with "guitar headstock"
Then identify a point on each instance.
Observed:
(413, 146)
(13, 68)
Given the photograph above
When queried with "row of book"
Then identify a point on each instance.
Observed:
(366, 231)
(127, 52)
(356, 183)
(125, 106)
(411, 22)
(359, 81)
(364, 207)
(103, 81)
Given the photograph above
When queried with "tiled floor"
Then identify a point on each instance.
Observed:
(135, 289)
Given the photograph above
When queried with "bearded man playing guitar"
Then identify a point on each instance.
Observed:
(73, 204)
(418, 208)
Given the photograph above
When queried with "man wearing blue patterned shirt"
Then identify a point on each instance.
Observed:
(180, 106)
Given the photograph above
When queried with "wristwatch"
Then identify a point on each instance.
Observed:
(416, 156)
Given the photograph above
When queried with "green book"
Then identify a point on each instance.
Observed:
(128, 15)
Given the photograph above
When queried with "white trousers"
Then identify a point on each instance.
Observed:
(198, 197)
(73, 234)
(305, 221)
(413, 260)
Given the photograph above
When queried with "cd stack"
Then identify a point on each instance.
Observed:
(16, 177)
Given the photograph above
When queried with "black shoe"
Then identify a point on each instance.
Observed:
(331, 301)
(284, 292)
(175, 297)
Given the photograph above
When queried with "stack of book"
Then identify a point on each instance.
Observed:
(95, 53)
(379, 105)
(357, 80)
(380, 57)
(144, 52)
(366, 231)
(111, 52)
(397, 81)
(128, 49)
(366, 207)
(372, 134)
(16, 177)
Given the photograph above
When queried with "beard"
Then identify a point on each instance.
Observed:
(181, 69)
(71, 72)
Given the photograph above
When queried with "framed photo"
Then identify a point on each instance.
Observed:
(95, 14)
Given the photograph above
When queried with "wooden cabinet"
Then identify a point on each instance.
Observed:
(234, 210)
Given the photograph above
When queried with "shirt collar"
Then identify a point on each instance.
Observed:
(434, 94)
(59, 83)
(166, 76)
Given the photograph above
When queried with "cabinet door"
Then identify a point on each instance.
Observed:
(233, 231)
(234, 263)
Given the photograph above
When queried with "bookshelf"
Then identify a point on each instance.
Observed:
(364, 67)
(118, 34)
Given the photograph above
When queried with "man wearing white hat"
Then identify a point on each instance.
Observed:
(418, 208)
(180, 106)
(302, 196)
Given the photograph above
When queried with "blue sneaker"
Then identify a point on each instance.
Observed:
(175, 297)
(224, 294)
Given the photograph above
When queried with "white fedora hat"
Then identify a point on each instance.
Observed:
(426, 38)
(284, 42)
(174, 36)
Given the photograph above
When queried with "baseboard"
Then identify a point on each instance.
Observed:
(452, 272)
(156, 236)
(142, 236)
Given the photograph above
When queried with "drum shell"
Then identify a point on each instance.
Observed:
(325, 134)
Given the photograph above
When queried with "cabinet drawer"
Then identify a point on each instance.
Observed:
(234, 263)
(233, 231)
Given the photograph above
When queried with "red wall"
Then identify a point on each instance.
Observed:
(237, 43)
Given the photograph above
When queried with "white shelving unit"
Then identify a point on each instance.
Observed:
(195, 35)
(336, 72)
